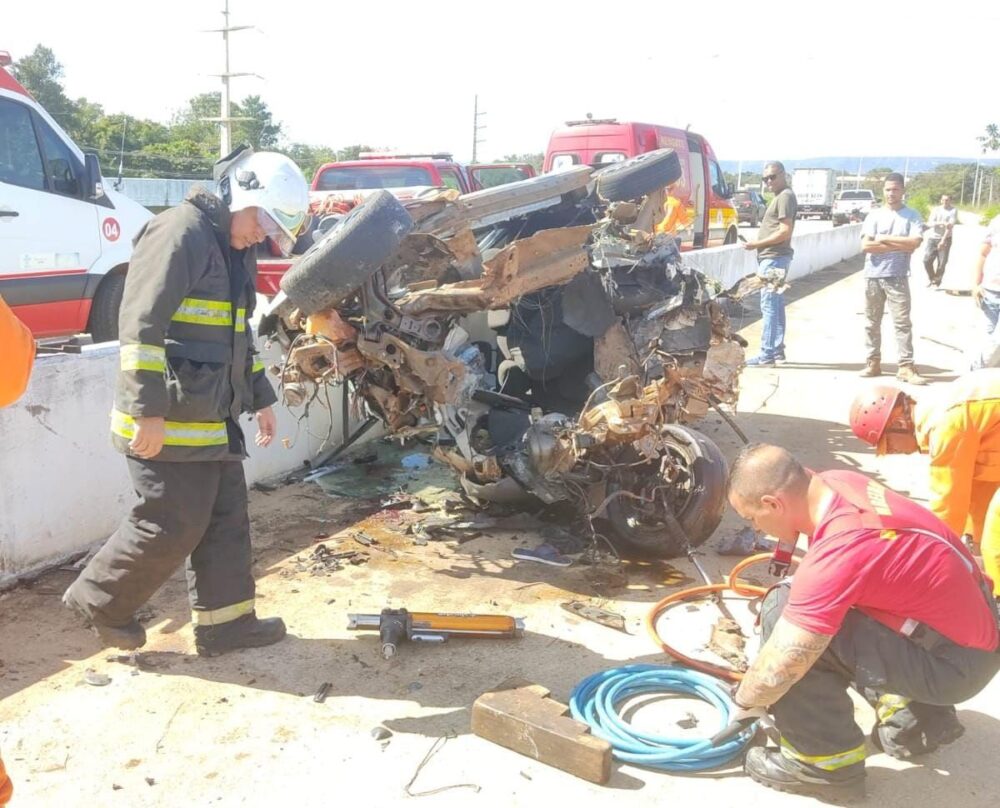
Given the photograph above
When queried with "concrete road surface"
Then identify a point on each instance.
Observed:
(244, 730)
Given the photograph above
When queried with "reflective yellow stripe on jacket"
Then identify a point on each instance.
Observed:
(143, 357)
(258, 366)
(178, 433)
(241, 320)
(204, 312)
(827, 763)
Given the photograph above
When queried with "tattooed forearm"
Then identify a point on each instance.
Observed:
(784, 659)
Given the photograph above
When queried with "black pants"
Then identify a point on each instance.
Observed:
(816, 717)
(196, 511)
(936, 250)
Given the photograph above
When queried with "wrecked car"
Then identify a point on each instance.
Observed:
(602, 347)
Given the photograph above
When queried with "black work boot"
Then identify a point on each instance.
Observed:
(127, 637)
(772, 769)
(917, 730)
(246, 631)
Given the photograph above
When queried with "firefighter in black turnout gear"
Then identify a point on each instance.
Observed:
(188, 371)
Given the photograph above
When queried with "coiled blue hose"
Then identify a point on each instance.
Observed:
(596, 701)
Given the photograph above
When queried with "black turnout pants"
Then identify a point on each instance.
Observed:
(816, 717)
(191, 510)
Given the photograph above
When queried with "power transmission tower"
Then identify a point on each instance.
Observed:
(225, 120)
(476, 128)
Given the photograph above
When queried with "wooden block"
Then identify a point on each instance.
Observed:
(524, 718)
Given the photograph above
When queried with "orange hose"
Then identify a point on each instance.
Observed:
(732, 584)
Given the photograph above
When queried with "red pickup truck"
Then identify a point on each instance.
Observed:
(338, 186)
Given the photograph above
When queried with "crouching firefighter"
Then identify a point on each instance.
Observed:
(887, 600)
(188, 371)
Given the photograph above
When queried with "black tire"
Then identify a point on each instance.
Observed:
(482, 207)
(103, 321)
(638, 176)
(336, 267)
(698, 509)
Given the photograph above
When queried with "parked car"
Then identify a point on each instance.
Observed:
(702, 197)
(750, 207)
(65, 238)
(853, 206)
(407, 175)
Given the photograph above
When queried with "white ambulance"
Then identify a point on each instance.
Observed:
(65, 238)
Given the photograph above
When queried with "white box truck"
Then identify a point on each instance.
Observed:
(815, 189)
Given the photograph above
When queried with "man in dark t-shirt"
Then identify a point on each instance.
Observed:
(886, 599)
(774, 256)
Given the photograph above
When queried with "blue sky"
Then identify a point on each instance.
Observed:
(784, 79)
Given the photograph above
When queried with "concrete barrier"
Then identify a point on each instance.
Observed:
(63, 488)
(813, 251)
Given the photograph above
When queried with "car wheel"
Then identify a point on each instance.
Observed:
(638, 176)
(482, 207)
(103, 321)
(697, 498)
(336, 267)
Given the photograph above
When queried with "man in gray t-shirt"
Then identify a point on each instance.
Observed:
(937, 245)
(774, 255)
(889, 236)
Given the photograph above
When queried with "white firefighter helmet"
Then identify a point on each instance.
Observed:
(274, 185)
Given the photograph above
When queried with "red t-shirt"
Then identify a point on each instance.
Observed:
(856, 559)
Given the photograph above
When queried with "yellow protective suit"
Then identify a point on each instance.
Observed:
(958, 426)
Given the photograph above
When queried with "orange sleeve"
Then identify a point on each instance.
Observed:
(6, 787)
(954, 445)
(17, 354)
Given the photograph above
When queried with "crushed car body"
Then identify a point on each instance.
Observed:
(606, 346)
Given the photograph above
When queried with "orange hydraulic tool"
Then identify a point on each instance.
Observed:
(396, 625)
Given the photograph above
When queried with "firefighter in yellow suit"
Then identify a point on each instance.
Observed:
(958, 426)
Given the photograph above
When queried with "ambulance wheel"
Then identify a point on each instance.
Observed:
(103, 321)
(355, 249)
(642, 174)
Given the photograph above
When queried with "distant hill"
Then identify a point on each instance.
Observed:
(849, 165)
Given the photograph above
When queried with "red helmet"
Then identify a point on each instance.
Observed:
(871, 410)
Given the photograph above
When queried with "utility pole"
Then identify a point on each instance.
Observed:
(739, 175)
(857, 184)
(225, 120)
(476, 127)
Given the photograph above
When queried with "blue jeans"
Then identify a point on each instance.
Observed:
(988, 355)
(772, 307)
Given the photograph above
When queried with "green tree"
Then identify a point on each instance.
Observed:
(260, 131)
(41, 74)
(352, 152)
(309, 157)
(990, 141)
